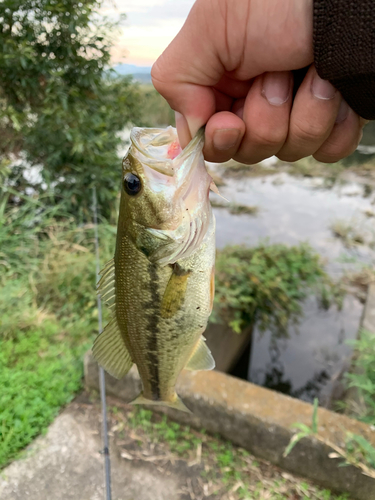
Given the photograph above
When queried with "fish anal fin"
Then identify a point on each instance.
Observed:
(176, 403)
(201, 358)
(174, 294)
(110, 351)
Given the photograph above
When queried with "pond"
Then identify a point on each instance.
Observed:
(291, 210)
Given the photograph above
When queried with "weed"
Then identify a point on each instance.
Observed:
(357, 452)
(309, 167)
(233, 168)
(266, 285)
(363, 376)
(348, 233)
(354, 232)
(359, 280)
(236, 209)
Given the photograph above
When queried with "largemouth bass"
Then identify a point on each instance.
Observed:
(160, 284)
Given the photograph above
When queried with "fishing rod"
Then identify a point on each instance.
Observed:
(107, 463)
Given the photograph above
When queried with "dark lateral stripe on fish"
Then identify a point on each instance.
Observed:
(153, 330)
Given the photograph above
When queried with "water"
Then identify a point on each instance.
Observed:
(292, 210)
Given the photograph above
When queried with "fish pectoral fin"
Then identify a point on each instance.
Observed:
(215, 190)
(110, 351)
(174, 294)
(176, 404)
(106, 285)
(160, 234)
(201, 359)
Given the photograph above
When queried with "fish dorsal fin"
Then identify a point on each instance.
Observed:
(106, 286)
(110, 351)
(201, 359)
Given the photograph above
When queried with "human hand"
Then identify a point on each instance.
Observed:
(230, 68)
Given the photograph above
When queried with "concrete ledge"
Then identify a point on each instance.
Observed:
(258, 420)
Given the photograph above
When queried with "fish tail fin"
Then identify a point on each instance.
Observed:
(176, 403)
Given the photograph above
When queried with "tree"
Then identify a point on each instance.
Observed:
(60, 105)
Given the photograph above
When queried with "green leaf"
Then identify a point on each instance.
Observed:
(303, 427)
(314, 426)
(294, 440)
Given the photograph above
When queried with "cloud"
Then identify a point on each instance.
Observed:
(144, 44)
(150, 27)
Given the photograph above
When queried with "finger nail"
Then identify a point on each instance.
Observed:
(363, 122)
(276, 87)
(182, 127)
(322, 89)
(194, 125)
(226, 138)
(239, 112)
(342, 112)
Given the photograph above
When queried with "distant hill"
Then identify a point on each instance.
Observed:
(141, 74)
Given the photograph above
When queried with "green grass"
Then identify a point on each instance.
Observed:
(48, 316)
(40, 372)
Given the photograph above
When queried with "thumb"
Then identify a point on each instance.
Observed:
(186, 72)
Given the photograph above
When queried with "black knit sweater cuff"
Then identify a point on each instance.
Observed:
(344, 50)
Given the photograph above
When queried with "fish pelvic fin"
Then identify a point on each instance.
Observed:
(176, 403)
(201, 358)
(110, 351)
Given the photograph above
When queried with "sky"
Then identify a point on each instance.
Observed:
(149, 27)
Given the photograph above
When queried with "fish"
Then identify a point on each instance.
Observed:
(160, 284)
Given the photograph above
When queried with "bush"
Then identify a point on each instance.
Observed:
(61, 108)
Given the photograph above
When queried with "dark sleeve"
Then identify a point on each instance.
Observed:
(344, 50)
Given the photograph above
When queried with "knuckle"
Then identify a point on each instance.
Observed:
(155, 72)
(332, 152)
(290, 156)
(249, 159)
(157, 76)
(305, 131)
(269, 139)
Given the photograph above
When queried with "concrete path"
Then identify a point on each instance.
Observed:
(65, 464)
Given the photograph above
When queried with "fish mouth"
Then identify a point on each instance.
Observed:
(152, 148)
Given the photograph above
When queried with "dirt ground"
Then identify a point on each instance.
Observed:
(151, 459)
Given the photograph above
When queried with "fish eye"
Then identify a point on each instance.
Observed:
(132, 184)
